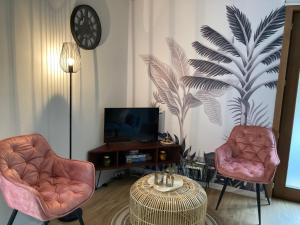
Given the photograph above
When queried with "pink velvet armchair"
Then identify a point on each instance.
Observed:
(38, 183)
(249, 155)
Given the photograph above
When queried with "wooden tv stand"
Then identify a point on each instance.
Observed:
(118, 151)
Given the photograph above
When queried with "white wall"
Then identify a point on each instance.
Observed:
(33, 89)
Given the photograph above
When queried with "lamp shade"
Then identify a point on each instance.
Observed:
(70, 57)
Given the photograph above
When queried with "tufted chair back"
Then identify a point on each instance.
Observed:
(251, 143)
(39, 183)
(28, 159)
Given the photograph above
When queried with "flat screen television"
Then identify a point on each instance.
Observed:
(130, 124)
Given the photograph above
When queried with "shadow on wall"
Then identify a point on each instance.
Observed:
(54, 121)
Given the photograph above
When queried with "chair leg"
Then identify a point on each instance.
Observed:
(222, 192)
(258, 202)
(98, 180)
(81, 220)
(12, 217)
(207, 177)
(266, 194)
(80, 217)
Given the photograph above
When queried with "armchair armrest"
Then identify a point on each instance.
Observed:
(271, 162)
(21, 197)
(82, 171)
(223, 153)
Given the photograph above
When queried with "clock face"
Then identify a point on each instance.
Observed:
(85, 27)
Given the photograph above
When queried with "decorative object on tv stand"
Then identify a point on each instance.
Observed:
(107, 161)
(163, 155)
(70, 63)
(167, 140)
(85, 27)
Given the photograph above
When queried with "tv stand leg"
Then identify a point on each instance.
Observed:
(98, 180)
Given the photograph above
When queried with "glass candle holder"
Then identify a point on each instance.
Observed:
(163, 155)
(107, 161)
(169, 180)
(159, 178)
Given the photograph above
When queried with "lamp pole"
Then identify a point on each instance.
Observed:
(70, 63)
(70, 111)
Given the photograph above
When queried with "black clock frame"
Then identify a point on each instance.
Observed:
(97, 20)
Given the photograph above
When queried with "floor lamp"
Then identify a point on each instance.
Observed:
(70, 63)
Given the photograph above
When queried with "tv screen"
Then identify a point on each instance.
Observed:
(130, 124)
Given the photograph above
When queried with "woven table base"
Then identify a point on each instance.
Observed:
(183, 206)
(122, 218)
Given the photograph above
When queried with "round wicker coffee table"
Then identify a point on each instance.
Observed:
(183, 206)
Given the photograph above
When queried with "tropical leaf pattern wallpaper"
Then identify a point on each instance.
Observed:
(260, 47)
(172, 92)
(226, 76)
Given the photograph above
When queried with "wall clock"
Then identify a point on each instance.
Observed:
(85, 27)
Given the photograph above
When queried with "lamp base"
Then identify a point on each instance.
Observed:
(75, 215)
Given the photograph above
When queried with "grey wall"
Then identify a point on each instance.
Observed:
(33, 89)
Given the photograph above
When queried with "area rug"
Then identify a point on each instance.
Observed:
(122, 218)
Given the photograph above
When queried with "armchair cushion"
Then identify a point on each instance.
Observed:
(60, 195)
(242, 169)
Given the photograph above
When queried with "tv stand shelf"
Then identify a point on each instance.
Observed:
(118, 151)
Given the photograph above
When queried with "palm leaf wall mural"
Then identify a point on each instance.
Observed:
(259, 56)
(178, 98)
